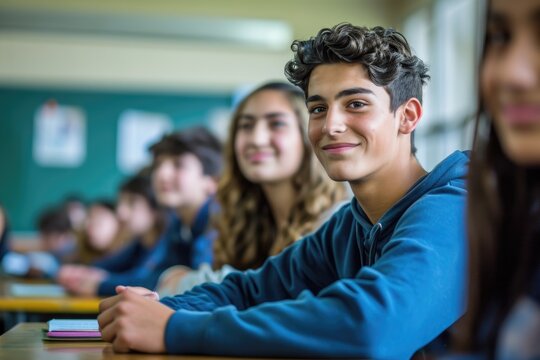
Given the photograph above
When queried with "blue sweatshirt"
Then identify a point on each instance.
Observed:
(178, 245)
(351, 289)
(133, 255)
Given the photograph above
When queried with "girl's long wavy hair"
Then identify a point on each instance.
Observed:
(248, 233)
(504, 236)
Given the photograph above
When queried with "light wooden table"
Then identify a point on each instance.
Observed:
(57, 305)
(24, 341)
(16, 309)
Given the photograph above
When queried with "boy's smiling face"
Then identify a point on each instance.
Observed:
(179, 181)
(353, 132)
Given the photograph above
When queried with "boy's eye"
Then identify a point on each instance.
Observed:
(179, 164)
(356, 104)
(316, 109)
(157, 163)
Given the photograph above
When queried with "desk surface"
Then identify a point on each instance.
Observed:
(24, 342)
(49, 305)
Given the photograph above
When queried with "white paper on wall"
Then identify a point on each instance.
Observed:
(59, 135)
(137, 130)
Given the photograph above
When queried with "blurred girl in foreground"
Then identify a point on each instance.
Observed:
(503, 319)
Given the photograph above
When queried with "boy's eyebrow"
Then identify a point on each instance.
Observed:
(353, 91)
(342, 93)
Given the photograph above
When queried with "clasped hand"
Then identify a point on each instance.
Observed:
(134, 320)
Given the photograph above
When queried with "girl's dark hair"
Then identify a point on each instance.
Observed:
(503, 231)
(384, 53)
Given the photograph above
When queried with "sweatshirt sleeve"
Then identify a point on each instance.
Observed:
(316, 300)
(135, 277)
(202, 251)
(145, 274)
(120, 260)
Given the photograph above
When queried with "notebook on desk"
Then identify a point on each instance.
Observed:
(37, 290)
(72, 329)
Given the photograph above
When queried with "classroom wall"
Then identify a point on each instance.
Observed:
(105, 74)
(26, 187)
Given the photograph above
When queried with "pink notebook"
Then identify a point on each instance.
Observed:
(75, 334)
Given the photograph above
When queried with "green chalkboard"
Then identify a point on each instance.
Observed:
(26, 187)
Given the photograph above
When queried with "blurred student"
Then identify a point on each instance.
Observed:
(56, 233)
(503, 320)
(100, 236)
(77, 211)
(185, 169)
(142, 221)
(57, 245)
(272, 191)
(4, 233)
(380, 279)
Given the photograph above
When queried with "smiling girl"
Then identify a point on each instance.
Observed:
(272, 190)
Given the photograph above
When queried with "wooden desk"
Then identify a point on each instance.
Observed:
(17, 309)
(53, 305)
(24, 342)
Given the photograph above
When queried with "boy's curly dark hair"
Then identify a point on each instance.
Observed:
(384, 53)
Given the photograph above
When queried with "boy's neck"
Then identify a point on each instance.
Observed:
(188, 213)
(280, 197)
(379, 193)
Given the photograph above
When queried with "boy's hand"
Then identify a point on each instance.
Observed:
(131, 321)
(138, 290)
(81, 280)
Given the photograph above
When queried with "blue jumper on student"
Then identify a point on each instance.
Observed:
(137, 265)
(351, 289)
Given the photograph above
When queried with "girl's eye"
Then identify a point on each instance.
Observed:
(244, 126)
(497, 36)
(277, 124)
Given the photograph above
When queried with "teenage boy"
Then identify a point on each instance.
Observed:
(185, 171)
(380, 279)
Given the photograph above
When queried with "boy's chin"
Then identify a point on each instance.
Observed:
(339, 176)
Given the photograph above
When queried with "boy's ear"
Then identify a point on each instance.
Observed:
(411, 113)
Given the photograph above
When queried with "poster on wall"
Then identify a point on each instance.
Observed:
(59, 135)
(137, 130)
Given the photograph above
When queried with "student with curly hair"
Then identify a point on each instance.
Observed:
(382, 277)
(272, 191)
